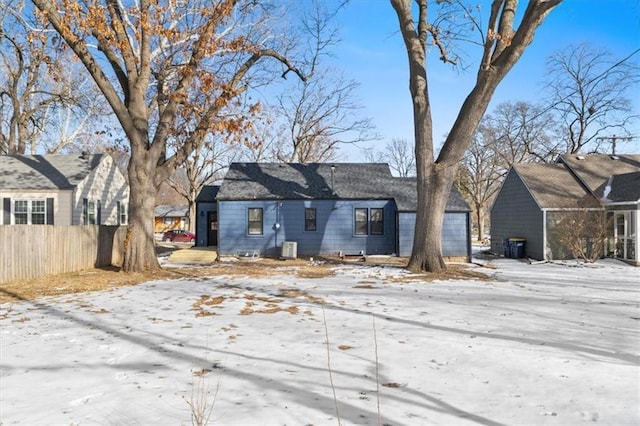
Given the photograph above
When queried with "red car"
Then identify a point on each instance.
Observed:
(179, 236)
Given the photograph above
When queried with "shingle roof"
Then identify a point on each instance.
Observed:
(208, 193)
(404, 191)
(45, 172)
(553, 186)
(594, 170)
(621, 188)
(249, 181)
(304, 181)
(164, 210)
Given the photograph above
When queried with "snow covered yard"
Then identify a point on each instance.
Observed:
(535, 344)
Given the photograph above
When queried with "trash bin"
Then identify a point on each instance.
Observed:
(506, 247)
(516, 247)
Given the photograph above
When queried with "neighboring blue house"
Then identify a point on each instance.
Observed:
(353, 208)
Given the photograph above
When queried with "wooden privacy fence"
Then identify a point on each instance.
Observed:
(32, 251)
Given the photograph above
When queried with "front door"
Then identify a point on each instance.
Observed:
(212, 227)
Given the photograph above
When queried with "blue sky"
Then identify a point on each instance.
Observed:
(372, 53)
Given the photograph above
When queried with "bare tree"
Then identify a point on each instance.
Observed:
(521, 132)
(583, 233)
(28, 87)
(321, 113)
(514, 132)
(169, 69)
(205, 165)
(46, 103)
(480, 175)
(398, 153)
(588, 89)
(503, 46)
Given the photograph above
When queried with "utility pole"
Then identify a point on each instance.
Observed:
(613, 139)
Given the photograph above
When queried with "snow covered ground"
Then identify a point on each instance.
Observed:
(537, 344)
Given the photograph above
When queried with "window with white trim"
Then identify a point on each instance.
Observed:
(122, 214)
(29, 212)
(92, 212)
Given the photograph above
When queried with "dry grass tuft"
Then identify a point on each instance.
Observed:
(453, 272)
(77, 282)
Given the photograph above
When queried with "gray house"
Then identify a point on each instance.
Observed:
(62, 190)
(349, 208)
(534, 198)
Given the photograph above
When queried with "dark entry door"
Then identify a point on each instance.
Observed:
(212, 227)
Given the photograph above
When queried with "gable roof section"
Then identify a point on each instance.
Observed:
(45, 172)
(208, 194)
(265, 181)
(595, 170)
(623, 188)
(553, 186)
(249, 181)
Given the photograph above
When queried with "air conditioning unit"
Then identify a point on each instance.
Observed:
(289, 250)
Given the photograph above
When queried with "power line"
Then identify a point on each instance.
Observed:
(613, 139)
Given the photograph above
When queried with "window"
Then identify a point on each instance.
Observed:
(30, 212)
(310, 219)
(361, 222)
(91, 213)
(122, 213)
(21, 212)
(38, 212)
(377, 221)
(369, 221)
(255, 221)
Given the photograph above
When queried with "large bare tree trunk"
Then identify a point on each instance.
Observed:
(139, 246)
(503, 47)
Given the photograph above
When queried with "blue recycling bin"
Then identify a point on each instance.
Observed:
(516, 247)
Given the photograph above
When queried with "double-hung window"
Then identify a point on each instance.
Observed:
(29, 212)
(91, 211)
(122, 213)
(368, 221)
(310, 215)
(361, 221)
(255, 221)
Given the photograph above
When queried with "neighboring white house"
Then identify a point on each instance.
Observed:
(62, 190)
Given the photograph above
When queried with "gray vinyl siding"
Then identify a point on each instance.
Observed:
(515, 213)
(334, 227)
(455, 233)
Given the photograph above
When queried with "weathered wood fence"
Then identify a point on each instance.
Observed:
(28, 252)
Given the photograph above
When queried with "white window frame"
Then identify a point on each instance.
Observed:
(123, 214)
(31, 210)
(92, 212)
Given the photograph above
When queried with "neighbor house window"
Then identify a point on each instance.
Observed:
(377, 221)
(91, 212)
(255, 221)
(38, 212)
(21, 212)
(310, 219)
(361, 222)
(122, 214)
(30, 212)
